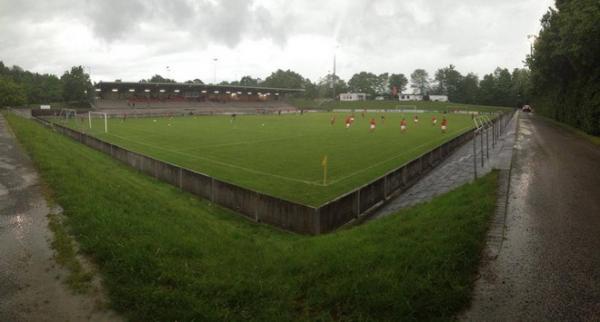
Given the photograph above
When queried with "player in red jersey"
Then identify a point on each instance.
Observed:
(403, 125)
(348, 122)
(416, 119)
(444, 125)
(373, 124)
(433, 120)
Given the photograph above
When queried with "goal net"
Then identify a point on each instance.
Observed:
(98, 119)
(66, 114)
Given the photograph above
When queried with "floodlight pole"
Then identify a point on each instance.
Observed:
(215, 71)
(333, 78)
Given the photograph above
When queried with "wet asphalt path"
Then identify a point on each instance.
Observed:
(31, 283)
(548, 268)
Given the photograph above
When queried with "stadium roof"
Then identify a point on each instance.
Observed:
(109, 86)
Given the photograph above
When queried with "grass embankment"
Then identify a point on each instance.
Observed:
(372, 104)
(591, 138)
(166, 255)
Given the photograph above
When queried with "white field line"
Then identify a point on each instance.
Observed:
(208, 146)
(390, 159)
(195, 157)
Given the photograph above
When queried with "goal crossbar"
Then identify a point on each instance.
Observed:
(103, 115)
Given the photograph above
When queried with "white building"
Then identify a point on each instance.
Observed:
(419, 97)
(410, 97)
(345, 97)
(438, 98)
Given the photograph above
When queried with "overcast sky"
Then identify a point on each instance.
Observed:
(134, 39)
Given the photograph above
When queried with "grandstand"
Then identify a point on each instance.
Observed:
(142, 98)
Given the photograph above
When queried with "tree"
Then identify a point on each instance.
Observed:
(326, 85)
(565, 65)
(364, 82)
(521, 86)
(249, 81)
(159, 79)
(467, 90)
(195, 81)
(399, 81)
(77, 86)
(11, 93)
(284, 79)
(448, 82)
(310, 89)
(420, 81)
(382, 84)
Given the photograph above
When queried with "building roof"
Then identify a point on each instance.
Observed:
(108, 86)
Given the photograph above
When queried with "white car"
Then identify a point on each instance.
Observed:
(526, 108)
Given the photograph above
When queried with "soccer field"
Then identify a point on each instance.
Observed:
(281, 155)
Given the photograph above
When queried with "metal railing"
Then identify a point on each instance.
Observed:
(483, 126)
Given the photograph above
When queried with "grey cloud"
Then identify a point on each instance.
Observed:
(374, 33)
(111, 19)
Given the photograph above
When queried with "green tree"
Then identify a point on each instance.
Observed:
(77, 86)
(310, 89)
(11, 93)
(284, 79)
(249, 81)
(382, 84)
(565, 65)
(399, 81)
(419, 80)
(467, 90)
(326, 85)
(364, 82)
(159, 79)
(448, 81)
(521, 86)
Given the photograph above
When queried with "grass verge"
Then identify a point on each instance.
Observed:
(591, 138)
(166, 255)
(78, 278)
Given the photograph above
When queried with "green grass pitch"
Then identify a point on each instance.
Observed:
(281, 154)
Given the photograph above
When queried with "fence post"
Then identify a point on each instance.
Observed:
(482, 156)
(487, 142)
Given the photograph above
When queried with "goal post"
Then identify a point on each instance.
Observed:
(98, 115)
(67, 113)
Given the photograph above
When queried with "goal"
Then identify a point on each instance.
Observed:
(101, 116)
(66, 114)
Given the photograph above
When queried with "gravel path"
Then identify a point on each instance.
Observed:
(31, 283)
(548, 268)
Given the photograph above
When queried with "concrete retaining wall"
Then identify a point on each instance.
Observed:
(260, 207)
